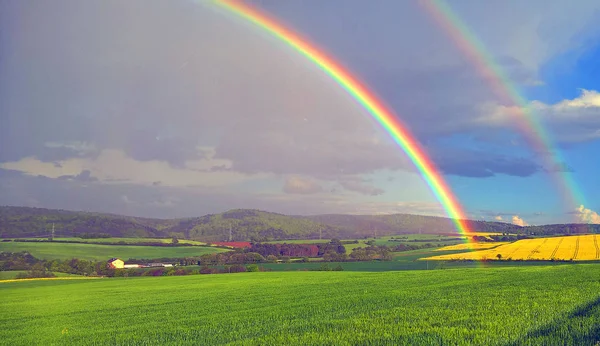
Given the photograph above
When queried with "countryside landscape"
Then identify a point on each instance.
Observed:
(300, 172)
(319, 279)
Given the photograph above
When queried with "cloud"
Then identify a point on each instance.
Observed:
(480, 164)
(570, 120)
(115, 166)
(299, 185)
(357, 184)
(177, 201)
(519, 221)
(498, 218)
(587, 216)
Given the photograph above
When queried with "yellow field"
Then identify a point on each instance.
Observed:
(470, 246)
(577, 248)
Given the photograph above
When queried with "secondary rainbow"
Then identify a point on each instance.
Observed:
(384, 116)
(502, 86)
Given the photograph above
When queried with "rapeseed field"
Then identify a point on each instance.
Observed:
(576, 248)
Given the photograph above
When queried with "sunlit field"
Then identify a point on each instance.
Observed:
(470, 246)
(48, 250)
(576, 248)
(485, 306)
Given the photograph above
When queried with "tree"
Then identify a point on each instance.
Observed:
(252, 268)
(174, 240)
(499, 256)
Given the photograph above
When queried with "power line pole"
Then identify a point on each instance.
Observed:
(320, 233)
(229, 232)
(52, 236)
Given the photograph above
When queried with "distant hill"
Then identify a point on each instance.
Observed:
(24, 221)
(250, 225)
(370, 225)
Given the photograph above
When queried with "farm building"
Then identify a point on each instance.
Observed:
(115, 263)
(126, 266)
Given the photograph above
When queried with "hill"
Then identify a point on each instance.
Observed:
(379, 225)
(250, 225)
(24, 222)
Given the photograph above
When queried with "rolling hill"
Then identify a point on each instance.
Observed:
(250, 225)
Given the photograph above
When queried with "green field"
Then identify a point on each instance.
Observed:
(7, 275)
(130, 240)
(414, 239)
(47, 250)
(482, 306)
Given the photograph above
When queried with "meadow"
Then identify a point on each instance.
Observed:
(48, 250)
(576, 248)
(482, 306)
(130, 240)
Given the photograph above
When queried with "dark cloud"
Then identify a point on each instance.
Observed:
(476, 164)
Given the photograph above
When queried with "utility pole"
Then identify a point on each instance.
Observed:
(52, 236)
(229, 232)
(320, 233)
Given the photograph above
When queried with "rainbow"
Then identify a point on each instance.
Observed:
(375, 107)
(502, 86)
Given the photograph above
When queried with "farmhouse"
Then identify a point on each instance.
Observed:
(115, 263)
(126, 266)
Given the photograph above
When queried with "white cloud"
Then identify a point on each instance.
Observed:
(587, 215)
(300, 185)
(498, 218)
(570, 120)
(519, 221)
(114, 166)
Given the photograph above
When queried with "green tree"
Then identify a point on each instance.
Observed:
(174, 240)
(253, 268)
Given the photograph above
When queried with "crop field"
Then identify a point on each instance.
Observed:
(131, 240)
(47, 250)
(576, 248)
(470, 246)
(486, 306)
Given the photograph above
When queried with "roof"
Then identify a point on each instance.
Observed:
(113, 259)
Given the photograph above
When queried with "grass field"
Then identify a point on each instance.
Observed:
(47, 250)
(485, 306)
(131, 240)
(415, 239)
(8, 275)
(577, 248)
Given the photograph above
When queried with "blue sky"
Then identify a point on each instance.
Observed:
(174, 109)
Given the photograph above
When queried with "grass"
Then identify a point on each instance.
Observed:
(47, 250)
(8, 275)
(415, 239)
(131, 240)
(485, 306)
(577, 248)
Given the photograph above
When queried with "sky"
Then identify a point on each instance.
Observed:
(177, 108)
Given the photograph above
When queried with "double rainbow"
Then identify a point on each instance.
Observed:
(506, 91)
(375, 107)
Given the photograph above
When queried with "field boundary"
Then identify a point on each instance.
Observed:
(576, 248)
(55, 278)
(536, 249)
(509, 256)
(556, 249)
(596, 245)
